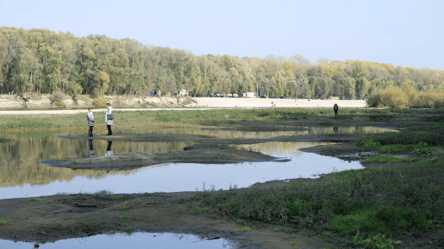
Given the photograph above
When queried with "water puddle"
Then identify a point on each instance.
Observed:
(134, 240)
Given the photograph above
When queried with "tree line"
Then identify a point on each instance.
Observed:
(42, 61)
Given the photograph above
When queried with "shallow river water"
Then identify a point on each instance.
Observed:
(123, 240)
(21, 175)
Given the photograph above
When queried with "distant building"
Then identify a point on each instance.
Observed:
(248, 95)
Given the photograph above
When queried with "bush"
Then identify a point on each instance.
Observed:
(57, 98)
(370, 143)
(99, 102)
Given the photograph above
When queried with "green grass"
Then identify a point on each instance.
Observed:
(125, 208)
(277, 228)
(3, 222)
(49, 202)
(327, 233)
(385, 159)
(392, 148)
(370, 143)
(33, 199)
(384, 220)
(114, 198)
(240, 221)
(244, 229)
(202, 210)
(123, 217)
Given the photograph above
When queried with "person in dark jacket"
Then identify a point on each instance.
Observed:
(109, 122)
(90, 118)
(336, 109)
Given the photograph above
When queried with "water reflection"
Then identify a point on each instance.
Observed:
(175, 177)
(135, 240)
(22, 175)
(109, 152)
(91, 151)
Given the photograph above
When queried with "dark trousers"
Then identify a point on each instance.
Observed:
(109, 129)
(90, 131)
(336, 113)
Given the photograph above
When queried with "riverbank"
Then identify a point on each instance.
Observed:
(292, 212)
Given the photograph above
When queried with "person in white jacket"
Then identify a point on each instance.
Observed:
(108, 121)
(90, 118)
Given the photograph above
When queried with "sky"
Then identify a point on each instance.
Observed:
(400, 32)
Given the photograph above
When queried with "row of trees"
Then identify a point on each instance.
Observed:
(43, 61)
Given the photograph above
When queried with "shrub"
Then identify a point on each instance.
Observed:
(57, 98)
(370, 143)
(298, 207)
(99, 102)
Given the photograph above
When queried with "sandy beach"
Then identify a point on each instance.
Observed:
(13, 106)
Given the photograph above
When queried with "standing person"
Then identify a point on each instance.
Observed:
(336, 109)
(109, 118)
(90, 118)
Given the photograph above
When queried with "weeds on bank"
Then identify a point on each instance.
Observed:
(385, 159)
(33, 199)
(244, 229)
(3, 222)
(379, 202)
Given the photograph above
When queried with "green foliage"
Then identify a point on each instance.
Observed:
(98, 65)
(125, 208)
(3, 222)
(392, 148)
(244, 229)
(128, 229)
(202, 210)
(299, 207)
(240, 221)
(277, 228)
(327, 233)
(378, 241)
(370, 143)
(33, 199)
(385, 220)
(385, 159)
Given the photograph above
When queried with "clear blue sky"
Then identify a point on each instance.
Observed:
(401, 32)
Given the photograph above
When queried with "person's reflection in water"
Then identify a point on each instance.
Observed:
(91, 151)
(335, 129)
(108, 149)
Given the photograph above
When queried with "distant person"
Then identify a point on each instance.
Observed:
(90, 118)
(91, 151)
(109, 152)
(109, 118)
(335, 129)
(336, 109)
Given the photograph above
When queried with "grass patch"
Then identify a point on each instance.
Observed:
(244, 229)
(114, 198)
(327, 233)
(240, 221)
(202, 210)
(392, 148)
(370, 143)
(385, 159)
(3, 222)
(277, 228)
(49, 202)
(33, 199)
(384, 220)
(123, 217)
(125, 208)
